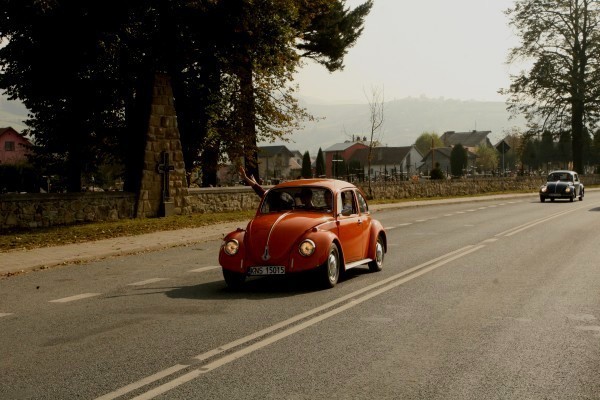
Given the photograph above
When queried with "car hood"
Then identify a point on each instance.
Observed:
(555, 186)
(270, 236)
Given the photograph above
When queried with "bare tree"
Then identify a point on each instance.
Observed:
(376, 117)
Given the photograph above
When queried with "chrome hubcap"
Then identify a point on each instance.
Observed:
(332, 267)
(379, 253)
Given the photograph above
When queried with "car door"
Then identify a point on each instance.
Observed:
(350, 226)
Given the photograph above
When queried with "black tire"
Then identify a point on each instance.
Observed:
(581, 195)
(552, 199)
(542, 199)
(233, 280)
(377, 264)
(330, 270)
(572, 198)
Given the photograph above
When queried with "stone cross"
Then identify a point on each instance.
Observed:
(164, 168)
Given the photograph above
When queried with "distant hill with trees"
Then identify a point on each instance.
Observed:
(405, 120)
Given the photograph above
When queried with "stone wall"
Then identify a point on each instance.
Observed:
(222, 199)
(39, 210)
(425, 188)
(43, 210)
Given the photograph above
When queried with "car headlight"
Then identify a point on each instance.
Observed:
(231, 247)
(543, 189)
(568, 190)
(307, 248)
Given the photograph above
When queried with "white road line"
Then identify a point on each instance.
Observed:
(405, 224)
(4, 314)
(448, 215)
(421, 220)
(389, 228)
(531, 224)
(147, 281)
(203, 269)
(471, 210)
(280, 325)
(74, 298)
(290, 331)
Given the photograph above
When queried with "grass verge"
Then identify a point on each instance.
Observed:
(24, 239)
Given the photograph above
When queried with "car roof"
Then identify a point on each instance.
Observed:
(331, 184)
(562, 171)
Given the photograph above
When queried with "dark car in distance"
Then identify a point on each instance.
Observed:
(562, 184)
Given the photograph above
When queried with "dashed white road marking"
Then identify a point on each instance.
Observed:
(203, 269)
(448, 215)
(471, 210)
(421, 220)
(389, 228)
(405, 224)
(147, 281)
(4, 314)
(74, 298)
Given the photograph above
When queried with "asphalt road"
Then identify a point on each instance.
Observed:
(486, 300)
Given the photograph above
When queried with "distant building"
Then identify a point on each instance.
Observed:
(13, 146)
(441, 155)
(340, 151)
(469, 140)
(390, 161)
(276, 162)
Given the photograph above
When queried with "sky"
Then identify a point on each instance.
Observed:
(453, 49)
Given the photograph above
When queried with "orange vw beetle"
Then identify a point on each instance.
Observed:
(303, 225)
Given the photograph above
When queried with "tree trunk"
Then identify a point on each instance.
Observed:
(577, 135)
(248, 118)
(137, 116)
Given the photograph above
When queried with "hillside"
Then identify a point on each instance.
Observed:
(405, 120)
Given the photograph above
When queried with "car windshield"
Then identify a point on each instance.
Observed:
(297, 198)
(560, 176)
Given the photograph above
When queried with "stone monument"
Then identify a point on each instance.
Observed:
(163, 190)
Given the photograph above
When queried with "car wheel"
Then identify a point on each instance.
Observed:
(552, 199)
(581, 195)
(542, 199)
(233, 280)
(330, 270)
(377, 263)
(572, 198)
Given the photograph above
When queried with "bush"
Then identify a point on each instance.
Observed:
(18, 178)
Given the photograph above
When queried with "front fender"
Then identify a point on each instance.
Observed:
(322, 240)
(233, 263)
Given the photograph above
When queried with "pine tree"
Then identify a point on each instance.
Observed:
(306, 169)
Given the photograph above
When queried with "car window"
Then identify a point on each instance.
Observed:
(560, 176)
(346, 201)
(297, 198)
(362, 203)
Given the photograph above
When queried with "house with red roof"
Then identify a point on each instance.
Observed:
(14, 147)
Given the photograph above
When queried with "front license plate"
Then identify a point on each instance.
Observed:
(267, 270)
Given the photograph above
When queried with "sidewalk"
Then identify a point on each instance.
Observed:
(16, 261)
